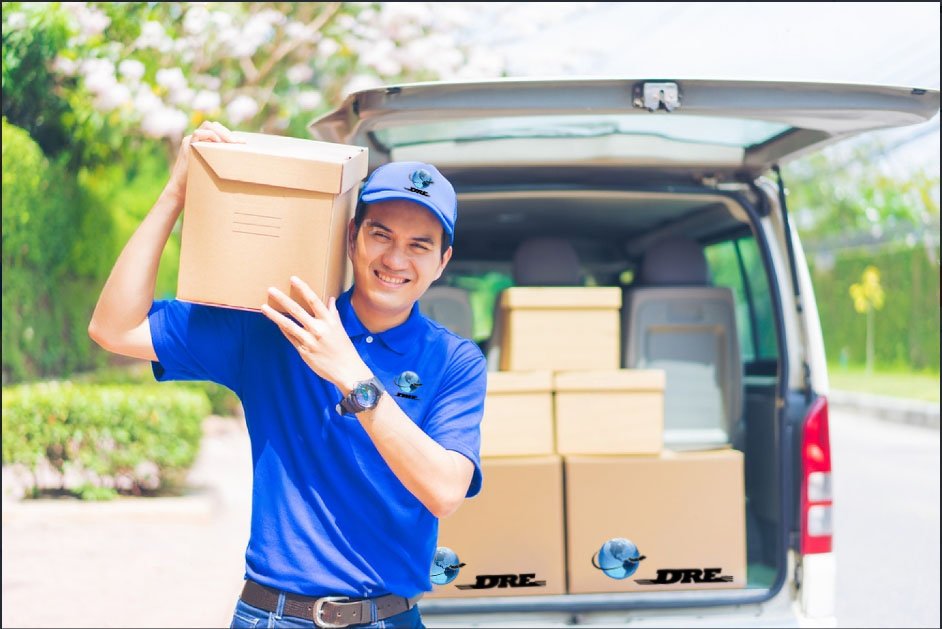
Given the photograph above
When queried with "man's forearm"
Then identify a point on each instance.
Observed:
(439, 478)
(129, 292)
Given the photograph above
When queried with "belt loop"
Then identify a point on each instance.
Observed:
(280, 611)
(373, 611)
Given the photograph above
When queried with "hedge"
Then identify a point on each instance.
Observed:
(103, 440)
(56, 251)
(222, 401)
(906, 329)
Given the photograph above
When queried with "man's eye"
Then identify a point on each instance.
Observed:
(420, 247)
(381, 235)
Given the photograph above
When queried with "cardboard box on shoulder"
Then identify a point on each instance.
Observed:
(259, 212)
(640, 524)
(617, 411)
(560, 328)
(510, 537)
(518, 414)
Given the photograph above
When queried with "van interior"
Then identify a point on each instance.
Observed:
(697, 301)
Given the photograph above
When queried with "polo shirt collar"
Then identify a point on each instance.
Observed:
(397, 339)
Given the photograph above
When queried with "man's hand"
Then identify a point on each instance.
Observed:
(209, 131)
(320, 339)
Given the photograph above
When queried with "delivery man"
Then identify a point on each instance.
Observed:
(364, 417)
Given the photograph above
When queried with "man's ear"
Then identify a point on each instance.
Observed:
(351, 238)
(445, 259)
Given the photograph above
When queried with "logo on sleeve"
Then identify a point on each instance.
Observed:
(407, 382)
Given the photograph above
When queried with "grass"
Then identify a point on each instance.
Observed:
(894, 383)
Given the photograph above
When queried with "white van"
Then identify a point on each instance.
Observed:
(663, 187)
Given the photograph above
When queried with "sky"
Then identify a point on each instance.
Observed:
(872, 43)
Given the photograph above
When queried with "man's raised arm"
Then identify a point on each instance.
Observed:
(119, 323)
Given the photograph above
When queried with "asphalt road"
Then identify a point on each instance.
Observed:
(886, 521)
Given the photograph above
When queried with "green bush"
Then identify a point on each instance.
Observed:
(50, 278)
(906, 329)
(135, 439)
(222, 401)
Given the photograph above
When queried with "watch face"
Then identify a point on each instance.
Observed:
(365, 395)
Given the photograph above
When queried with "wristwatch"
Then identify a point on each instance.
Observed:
(363, 397)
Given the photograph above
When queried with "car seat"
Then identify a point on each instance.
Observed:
(674, 319)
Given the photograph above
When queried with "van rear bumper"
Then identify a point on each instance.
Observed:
(782, 610)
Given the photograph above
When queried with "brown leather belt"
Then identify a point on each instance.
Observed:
(327, 611)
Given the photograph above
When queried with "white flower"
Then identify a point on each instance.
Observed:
(309, 100)
(359, 83)
(146, 101)
(93, 22)
(207, 81)
(300, 32)
(16, 21)
(380, 56)
(328, 47)
(182, 96)
(258, 30)
(172, 79)
(242, 108)
(164, 122)
(99, 75)
(206, 100)
(131, 69)
(196, 20)
(65, 66)
(271, 16)
(113, 97)
(299, 73)
(153, 36)
(221, 19)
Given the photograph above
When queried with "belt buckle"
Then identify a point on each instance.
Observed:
(318, 607)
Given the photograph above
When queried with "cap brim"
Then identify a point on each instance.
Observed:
(394, 195)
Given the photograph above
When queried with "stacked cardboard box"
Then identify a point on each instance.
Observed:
(684, 513)
(636, 517)
(510, 538)
(259, 212)
(559, 328)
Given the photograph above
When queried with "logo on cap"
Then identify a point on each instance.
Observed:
(421, 179)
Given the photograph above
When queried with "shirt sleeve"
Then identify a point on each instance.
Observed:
(455, 420)
(197, 342)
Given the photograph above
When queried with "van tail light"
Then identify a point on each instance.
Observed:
(816, 499)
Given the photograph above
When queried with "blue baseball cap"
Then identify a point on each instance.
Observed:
(417, 182)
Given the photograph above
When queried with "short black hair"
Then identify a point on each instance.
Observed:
(360, 215)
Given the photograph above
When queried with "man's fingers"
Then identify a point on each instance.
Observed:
(206, 135)
(291, 330)
(293, 308)
(317, 306)
(225, 133)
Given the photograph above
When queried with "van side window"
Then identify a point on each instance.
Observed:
(737, 265)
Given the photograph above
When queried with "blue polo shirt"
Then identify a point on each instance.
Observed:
(328, 514)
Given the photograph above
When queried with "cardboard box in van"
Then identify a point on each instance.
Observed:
(258, 213)
(557, 328)
(683, 512)
(618, 411)
(518, 414)
(510, 537)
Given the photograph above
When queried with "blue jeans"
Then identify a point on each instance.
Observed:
(247, 616)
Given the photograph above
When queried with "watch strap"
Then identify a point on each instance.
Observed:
(350, 405)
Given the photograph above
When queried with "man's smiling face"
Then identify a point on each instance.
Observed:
(396, 255)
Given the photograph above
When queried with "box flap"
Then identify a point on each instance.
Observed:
(610, 380)
(519, 381)
(285, 162)
(567, 297)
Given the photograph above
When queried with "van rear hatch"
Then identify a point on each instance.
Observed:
(722, 129)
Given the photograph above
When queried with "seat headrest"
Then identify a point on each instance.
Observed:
(546, 262)
(674, 261)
